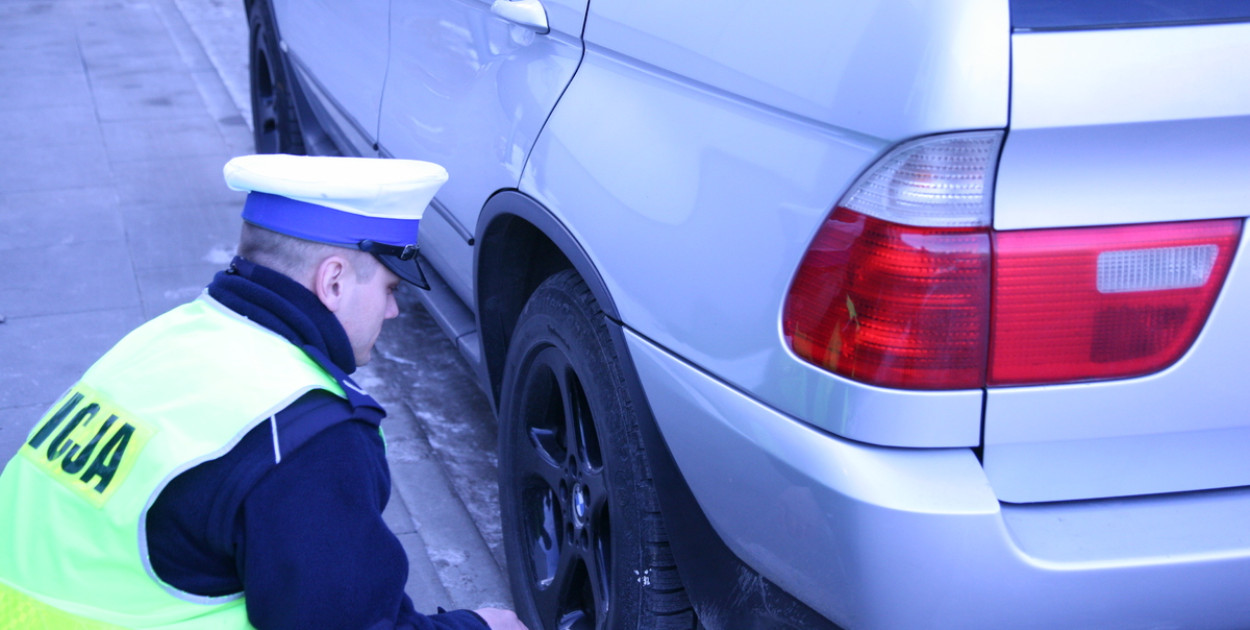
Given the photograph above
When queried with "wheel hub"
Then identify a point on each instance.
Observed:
(581, 504)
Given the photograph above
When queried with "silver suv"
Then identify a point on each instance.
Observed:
(885, 314)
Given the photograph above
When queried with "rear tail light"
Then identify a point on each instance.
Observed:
(1098, 303)
(906, 286)
(893, 305)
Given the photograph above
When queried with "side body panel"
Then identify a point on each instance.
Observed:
(471, 91)
(699, 213)
(888, 69)
(882, 538)
(338, 50)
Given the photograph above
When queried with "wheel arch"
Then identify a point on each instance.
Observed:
(519, 244)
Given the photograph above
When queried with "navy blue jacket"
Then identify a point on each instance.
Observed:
(303, 539)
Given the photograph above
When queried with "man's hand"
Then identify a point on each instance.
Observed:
(500, 619)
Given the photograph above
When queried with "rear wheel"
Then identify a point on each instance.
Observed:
(275, 126)
(585, 540)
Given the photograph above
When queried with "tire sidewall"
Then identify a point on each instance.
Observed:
(562, 315)
(263, 39)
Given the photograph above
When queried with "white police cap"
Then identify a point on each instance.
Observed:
(370, 204)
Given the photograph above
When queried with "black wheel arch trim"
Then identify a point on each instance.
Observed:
(512, 233)
(515, 202)
(720, 585)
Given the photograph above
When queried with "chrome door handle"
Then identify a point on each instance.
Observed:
(527, 13)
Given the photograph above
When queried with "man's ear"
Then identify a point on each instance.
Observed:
(328, 281)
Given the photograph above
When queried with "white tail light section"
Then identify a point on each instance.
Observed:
(906, 286)
(1157, 269)
(939, 181)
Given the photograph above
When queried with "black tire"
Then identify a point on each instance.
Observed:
(586, 543)
(275, 124)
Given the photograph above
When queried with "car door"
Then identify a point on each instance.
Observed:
(338, 49)
(471, 89)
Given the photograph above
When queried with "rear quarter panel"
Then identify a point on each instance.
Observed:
(700, 146)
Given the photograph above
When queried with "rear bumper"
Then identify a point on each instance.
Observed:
(874, 537)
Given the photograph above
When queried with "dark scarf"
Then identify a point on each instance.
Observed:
(286, 307)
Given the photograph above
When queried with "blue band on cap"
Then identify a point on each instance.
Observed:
(313, 222)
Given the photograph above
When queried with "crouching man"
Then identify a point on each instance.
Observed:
(218, 467)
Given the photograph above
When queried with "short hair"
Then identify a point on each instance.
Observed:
(297, 258)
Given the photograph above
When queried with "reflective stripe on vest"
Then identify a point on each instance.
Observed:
(180, 390)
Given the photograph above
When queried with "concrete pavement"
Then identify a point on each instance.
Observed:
(115, 120)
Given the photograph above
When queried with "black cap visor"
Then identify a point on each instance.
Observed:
(407, 270)
(402, 261)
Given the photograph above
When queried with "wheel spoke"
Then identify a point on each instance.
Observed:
(266, 123)
(587, 432)
(586, 588)
(572, 399)
(542, 532)
(540, 479)
(558, 600)
(267, 109)
(598, 543)
(547, 604)
(543, 408)
(597, 492)
(534, 462)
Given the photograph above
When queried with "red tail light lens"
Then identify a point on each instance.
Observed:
(909, 307)
(1100, 303)
(893, 305)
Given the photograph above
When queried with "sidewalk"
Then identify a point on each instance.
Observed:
(115, 120)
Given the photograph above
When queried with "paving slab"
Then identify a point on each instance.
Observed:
(163, 138)
(144, 95)
(175, 182)
(425, 586)
(44, 355)
(45, 218)
(51, 166)
(14, 427)
(37, 39)
(37, 91)
(163, 288)
(123, 38)
(219, 25)
(47, 128)
(180, 234)
(75, 278)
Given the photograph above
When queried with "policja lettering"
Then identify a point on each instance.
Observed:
(73, 449)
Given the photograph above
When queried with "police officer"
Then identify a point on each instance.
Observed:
(218, 467)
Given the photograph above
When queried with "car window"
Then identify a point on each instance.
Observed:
(1048, 15)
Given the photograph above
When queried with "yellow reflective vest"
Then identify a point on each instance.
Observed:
(180, 390)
